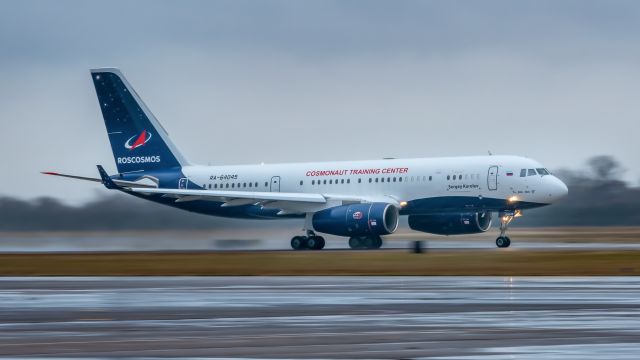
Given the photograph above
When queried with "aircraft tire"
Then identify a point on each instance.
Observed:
(503, 242)
(321, 243)
(298, 243)
(354, 242)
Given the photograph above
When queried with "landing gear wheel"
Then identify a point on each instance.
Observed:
(503, 242)
(320, 243)
(354, 242)
(298, 242)
(312, 242)
(378, 242)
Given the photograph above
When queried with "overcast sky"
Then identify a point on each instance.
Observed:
(278, 81)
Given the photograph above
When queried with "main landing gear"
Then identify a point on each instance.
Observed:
(365, 242)
(506, 217)
(309, 242)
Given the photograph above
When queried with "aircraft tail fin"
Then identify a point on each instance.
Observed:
(138, 141)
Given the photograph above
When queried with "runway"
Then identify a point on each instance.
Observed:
(321, 317)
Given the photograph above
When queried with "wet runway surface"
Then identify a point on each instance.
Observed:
(321, 317)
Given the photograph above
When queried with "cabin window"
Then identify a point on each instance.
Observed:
(448, 177)
(330, 182)
(381, 179)
(266, 183)
(370, 180)
(324, 182)
(244, 185)
(430, 177)
(400, 179)
(348, 181)
(313, 182)
(376, 179)
(300, 182)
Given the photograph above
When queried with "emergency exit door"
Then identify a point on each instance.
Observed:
(275, 184)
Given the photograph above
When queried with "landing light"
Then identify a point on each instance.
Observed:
(513, 199)
(403, 203)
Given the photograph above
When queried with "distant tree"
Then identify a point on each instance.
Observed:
(605, 167)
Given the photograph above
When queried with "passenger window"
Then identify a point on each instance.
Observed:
(244, 185)
(394, 179)
(429, 177)
(348, 181)
(400, 179)
(342, 181)
(227, 185)
(376, 179)
(313, 182)
(359, 180)
(370, 180)
(448, 177)
(233, 185)
(531, 172)
(389, 179)
(266, 184)
(250, 184)
(300, 182)
(330, 182)
(325, 182)
(381, 179)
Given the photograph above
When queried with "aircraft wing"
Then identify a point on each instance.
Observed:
(288, 203)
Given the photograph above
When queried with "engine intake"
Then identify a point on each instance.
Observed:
(357, 219)
(451, 224)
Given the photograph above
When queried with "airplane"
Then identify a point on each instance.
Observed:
(359, 200)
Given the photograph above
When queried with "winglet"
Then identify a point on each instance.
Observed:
(106, 180)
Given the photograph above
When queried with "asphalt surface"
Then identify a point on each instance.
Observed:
(321, 317)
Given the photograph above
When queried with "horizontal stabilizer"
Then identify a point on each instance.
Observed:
(121, 183)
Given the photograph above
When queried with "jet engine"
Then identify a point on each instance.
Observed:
(357, 219)
(451, 224)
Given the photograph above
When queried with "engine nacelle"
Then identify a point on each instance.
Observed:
(451, 224)
(357, 219)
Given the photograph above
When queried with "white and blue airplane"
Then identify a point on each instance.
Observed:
(361, 200)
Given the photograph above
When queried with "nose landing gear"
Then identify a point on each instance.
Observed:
(506, 217)
(310, 242)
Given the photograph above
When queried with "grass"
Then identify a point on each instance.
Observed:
(502, 262)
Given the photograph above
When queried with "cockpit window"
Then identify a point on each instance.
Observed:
(523, 172)
(543, 171)
(531, 172)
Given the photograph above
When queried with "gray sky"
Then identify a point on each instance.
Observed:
(278, 81)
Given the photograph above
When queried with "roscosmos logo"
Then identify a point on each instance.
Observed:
(140, 140)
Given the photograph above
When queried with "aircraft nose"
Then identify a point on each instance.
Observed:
(557, 189)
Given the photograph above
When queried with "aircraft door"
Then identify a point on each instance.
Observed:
(492, 178)
(182, 183)
(275, 184)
